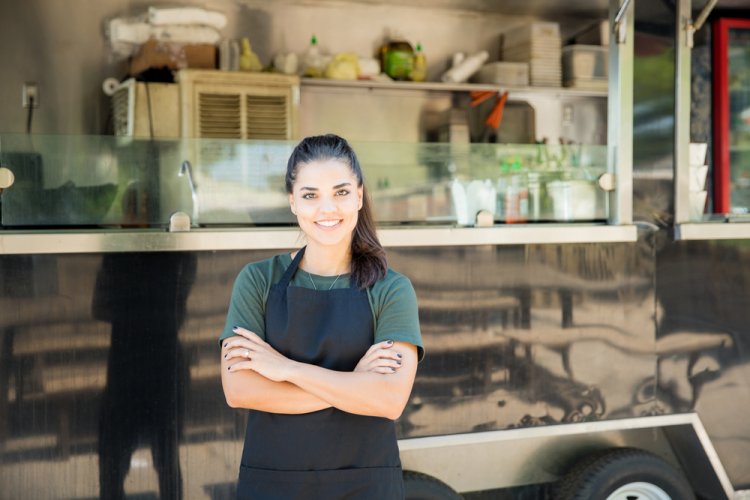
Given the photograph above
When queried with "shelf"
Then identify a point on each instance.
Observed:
(93, 241)
(447, 87)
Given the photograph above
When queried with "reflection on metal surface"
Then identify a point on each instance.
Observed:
(518, 337)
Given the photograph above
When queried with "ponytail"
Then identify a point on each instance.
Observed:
(369, 263)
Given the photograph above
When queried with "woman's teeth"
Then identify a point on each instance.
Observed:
(328, 223)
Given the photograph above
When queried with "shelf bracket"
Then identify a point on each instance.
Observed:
(692, 27)
(619, 28)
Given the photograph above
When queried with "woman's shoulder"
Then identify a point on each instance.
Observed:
(265, 270)
(392, 282)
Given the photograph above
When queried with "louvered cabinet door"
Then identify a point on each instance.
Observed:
(217, 112)
(242, 112)
(268, 113)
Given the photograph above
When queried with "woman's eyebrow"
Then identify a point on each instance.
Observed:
(337, 186)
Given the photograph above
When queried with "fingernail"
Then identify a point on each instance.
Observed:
(225, 356)
(398, 355)
(229, 367)
(234, 328)
(389, 342)
(226, 344)
(398, 362)
(393, 370)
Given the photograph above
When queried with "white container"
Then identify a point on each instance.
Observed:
(466, 68)
(698, 153)
(504, 73)
(697, 205)
(573, 200)
(585, 62)
(698, 175)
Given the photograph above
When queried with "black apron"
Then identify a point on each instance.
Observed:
(328, 454)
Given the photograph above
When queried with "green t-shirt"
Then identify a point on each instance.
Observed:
(392, 300)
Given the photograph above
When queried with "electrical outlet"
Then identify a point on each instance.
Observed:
(30, 94)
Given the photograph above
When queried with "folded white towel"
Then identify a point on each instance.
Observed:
(185, 34)
(128, 30)
(160, 16)
(133, 32)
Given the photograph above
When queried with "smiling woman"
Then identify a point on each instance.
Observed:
(322, 345)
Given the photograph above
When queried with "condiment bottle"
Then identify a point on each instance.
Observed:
(312, 62)
(419, 71)
(248, 59)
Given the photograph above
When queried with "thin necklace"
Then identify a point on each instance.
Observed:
(313, 283)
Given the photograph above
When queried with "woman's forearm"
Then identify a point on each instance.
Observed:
(362, 393)
(250, 390)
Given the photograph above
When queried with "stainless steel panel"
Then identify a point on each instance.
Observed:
(516, 336)
(701, 300)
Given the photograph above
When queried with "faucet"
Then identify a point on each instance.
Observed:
(187, 169)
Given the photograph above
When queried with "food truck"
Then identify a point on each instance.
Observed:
(571, 210)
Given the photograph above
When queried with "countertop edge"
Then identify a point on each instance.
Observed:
(98, 241)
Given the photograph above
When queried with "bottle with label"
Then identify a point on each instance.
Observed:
(419, 71)
(312, 62)
(398, 59)
(517, 196)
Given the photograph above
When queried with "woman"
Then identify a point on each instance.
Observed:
(322, 345)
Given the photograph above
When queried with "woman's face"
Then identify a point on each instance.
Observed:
(326, 200)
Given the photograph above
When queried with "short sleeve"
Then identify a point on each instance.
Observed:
(397, 315)
(247, 305)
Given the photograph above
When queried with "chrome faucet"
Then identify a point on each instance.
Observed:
(187, 169)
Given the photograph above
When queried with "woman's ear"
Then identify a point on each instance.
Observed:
(360, 196)
(291, 204)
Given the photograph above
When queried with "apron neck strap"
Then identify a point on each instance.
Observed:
(289, 273)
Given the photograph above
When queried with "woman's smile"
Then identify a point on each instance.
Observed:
(329, 223)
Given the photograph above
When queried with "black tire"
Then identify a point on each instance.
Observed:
(598, 476)
(418, 486)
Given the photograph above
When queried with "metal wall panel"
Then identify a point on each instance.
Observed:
(109, 361)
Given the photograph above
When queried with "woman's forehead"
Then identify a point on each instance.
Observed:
(324, 171)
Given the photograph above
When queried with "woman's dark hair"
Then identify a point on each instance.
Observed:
(368, 256)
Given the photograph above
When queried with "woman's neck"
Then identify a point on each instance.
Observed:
(327, 261)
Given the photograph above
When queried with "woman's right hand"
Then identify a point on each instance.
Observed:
(380, 358)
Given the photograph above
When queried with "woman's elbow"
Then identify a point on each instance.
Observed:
(232, 395)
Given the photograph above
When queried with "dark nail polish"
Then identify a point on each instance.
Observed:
(398, 363)
(389, 342)
(226, 344)
(229, 368)
(225, 356)
(398, 355)
(234, 328)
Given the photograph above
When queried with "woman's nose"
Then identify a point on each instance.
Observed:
(327, 205)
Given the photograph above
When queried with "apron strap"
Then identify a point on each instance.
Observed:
(289, 273)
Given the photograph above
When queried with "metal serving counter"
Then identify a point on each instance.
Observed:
(56, 242)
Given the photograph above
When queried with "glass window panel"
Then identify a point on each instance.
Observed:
(105, 181)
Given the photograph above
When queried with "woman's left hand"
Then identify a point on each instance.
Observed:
(253, 353)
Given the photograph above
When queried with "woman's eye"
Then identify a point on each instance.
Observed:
(308, 196)
(342, 192)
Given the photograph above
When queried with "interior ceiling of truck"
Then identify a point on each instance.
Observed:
(595, 9)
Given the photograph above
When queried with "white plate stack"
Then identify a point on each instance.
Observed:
(539, 45)
(698, 173)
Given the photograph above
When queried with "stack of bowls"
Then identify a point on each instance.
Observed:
(698, 173)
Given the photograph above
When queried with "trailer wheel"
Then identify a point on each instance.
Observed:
(624, 474)
(420, 486)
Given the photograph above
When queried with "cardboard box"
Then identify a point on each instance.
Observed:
(153, 54)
